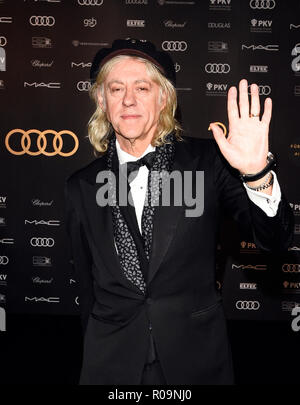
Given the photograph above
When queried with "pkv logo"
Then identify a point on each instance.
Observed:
(2, 60)
(2, 320)
(296, 61)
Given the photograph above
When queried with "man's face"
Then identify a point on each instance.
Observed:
(132, 100)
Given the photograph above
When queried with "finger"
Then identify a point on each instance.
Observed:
(255, 103)
(219, 137)
(232, 107)
(266, 118)
(244, 99)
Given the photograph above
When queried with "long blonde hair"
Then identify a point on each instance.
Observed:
(100, 129)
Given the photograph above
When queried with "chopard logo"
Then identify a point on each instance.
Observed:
(38, 280)
(172, 24)
(38, 64)
(38, 203)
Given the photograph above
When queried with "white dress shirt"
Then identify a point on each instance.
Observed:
(138, 186)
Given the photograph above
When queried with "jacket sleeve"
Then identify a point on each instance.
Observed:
(269, 233)
(80, 255)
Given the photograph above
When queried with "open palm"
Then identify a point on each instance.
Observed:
(247, 144)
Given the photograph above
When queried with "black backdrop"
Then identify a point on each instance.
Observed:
(46, 47)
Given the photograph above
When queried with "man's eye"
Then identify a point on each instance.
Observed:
(143, 89)
(116, 89)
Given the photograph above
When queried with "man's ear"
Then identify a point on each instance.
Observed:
(101, 100)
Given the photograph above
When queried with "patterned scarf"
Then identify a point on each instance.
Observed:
(127, 250)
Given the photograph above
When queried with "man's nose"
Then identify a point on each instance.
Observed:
(129, 97)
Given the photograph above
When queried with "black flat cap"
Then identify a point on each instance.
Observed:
(135, 47)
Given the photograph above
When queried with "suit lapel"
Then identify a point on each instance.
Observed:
(166, 219)
(101, 226)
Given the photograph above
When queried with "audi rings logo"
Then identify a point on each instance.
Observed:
(291, 268)
(217, 68)
(175, 46)
(3, 41)
(42, 242)
(262, 90)
(262, 4)
(42, 142)
(90, 2)
(247, 305)
(83, 86)
(3, 260)
(42, 20)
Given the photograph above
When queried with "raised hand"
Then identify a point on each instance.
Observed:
(247, 144)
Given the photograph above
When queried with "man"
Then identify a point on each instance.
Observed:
(150, 310)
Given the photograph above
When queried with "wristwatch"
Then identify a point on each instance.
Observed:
(271, 162)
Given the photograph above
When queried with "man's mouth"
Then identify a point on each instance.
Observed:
(130, 116)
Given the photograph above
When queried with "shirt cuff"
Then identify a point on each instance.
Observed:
(268, 203)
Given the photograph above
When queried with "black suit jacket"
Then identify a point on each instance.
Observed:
(182, 303)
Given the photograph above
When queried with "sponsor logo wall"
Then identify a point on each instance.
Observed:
(46, 49)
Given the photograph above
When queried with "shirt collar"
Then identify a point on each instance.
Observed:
(125, 157)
